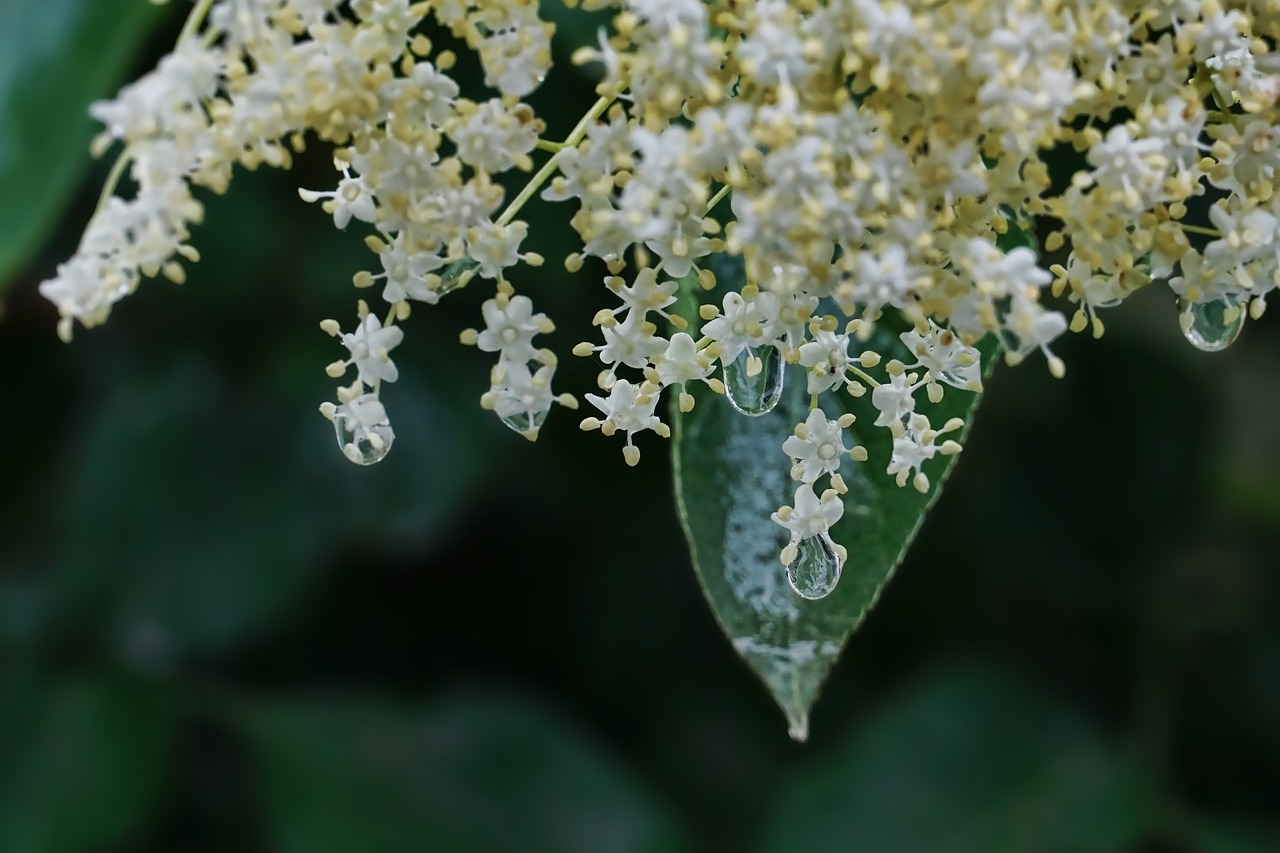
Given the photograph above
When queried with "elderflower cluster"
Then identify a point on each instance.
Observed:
(878, 157)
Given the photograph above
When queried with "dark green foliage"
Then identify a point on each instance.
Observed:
(216, 635)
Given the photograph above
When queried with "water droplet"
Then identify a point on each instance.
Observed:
(364, 433)
(525, 422)
(815, 571)
(456, 275)
(1211, 326)
(753, 380)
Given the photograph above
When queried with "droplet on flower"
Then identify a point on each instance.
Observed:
(753, 381)
(1211, 326)
(364, 433)
(815, 571)
(525, 422)
(457, 274)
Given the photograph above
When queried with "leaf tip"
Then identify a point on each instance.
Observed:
(798, 726)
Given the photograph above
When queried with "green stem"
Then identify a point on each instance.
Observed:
(113, 179)
(194, 20)
(864, 376)
(549, 168)
(716, 199)
(1200, 229)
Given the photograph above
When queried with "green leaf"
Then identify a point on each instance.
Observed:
(56, 57)
(474, 773)
(731, 474)
(970, 761)
(81, 763)
(194, 511)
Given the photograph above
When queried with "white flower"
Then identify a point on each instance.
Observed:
(370, 345)
(629, 408)
(773, 53)
(894, 398)
(519, 396)
(739, 327)
(631, 342)
(85, 288)
(406, 272)
(1032, 327)
(646, 293)
(681, 362)
(995, 273)
(494, 247)
(817, 447)
(914, 444)
(516, 53)
(493, 137)
(881, 278)
(811, 515)
(510, 326)
(1131, 170)
(364, 431)
(941, 353)
(662, 204)
(826, 358)
(352, 199)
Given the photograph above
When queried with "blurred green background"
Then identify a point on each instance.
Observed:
(218, 635)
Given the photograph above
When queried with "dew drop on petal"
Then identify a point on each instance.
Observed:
(753, 381)
(365, 449)
(1211, 326)
(363, 443)
(456, 275)
(815, 571)
(525, 423)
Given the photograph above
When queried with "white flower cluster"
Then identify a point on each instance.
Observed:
(875, 155)
(247, 79)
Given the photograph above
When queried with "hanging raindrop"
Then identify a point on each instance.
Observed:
(753, 380)
(363, 430)
(456, 275)
(522, 396)
(815, 571)
(525, 422)
(1211, 326)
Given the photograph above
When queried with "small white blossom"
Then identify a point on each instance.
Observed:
(1031, 327)
(405, 272)
(895, 399)
(682, 362)
(914, 444)
(811, 515)
(646, 293)
(352, 199)
(630, 409)
(826, 358)
(370, 345)
(493, 137)
(817, 447)
(631, 343)
(519, 396)
(943, 355)
(494, 248)
(364, 431)
(510, 326)
(739, 327)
